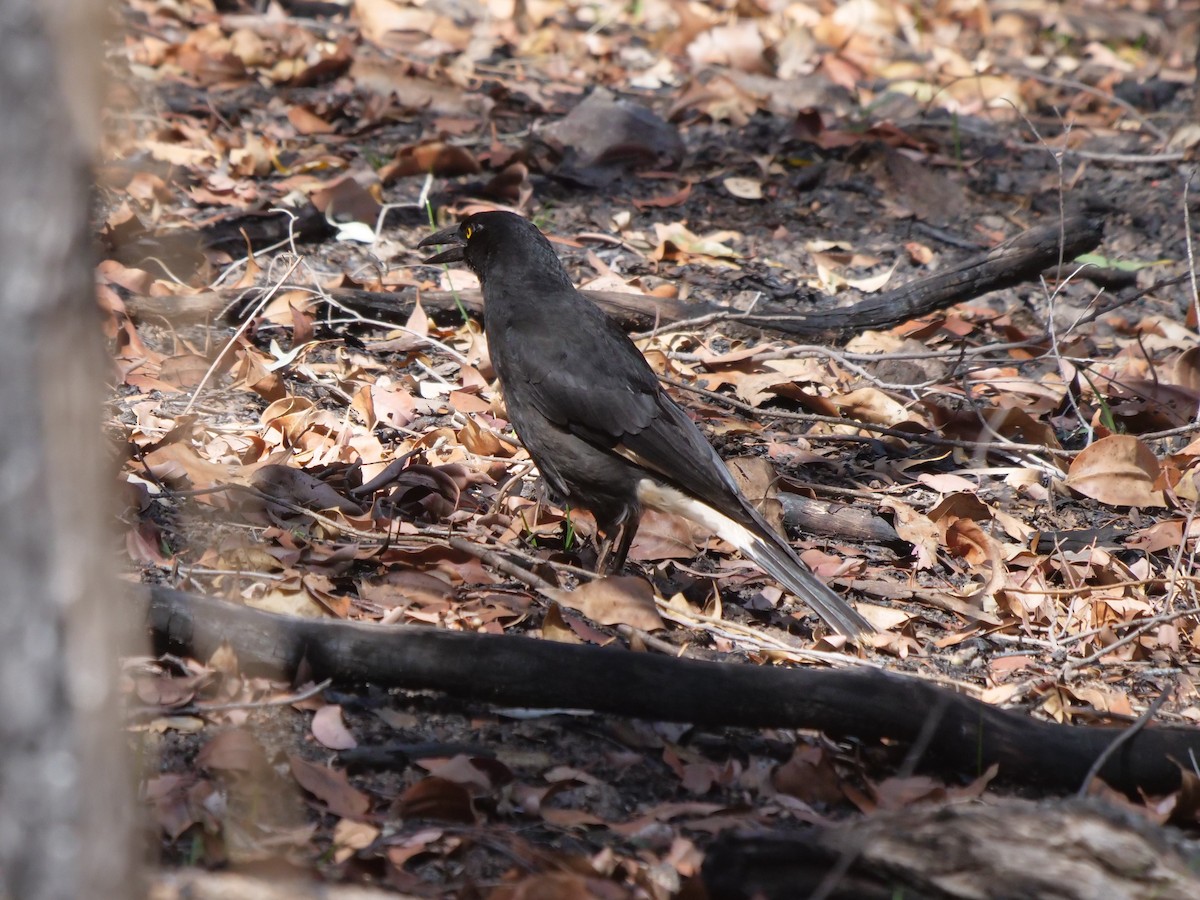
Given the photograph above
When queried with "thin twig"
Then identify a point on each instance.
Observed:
(200, 709)
(870, 426)
(1121, 740)
(241, 329)
(1107, 96)
(1071, 666)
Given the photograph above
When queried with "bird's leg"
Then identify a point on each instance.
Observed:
(621, 535)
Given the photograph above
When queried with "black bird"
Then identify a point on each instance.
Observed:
(591, 413)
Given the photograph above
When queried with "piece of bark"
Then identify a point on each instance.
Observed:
(963, 735)
(1068, 850)
(834, 519)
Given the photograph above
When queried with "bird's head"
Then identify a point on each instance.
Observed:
(481, 237)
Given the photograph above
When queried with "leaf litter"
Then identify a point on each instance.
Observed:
(316, 461)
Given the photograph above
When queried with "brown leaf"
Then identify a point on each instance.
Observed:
(345, 200)
(966, 540)
(286, 420)
(1118, 470)
(307, 122)
(234, 750)
(1185, 812)
(665, 201)
(1187, 369)
(252, 373)
(615, 600)
(185, 370)
(299, 488)
(809, 776)
(163, 690)
(170, 795)
(330, 730)
(387, 78)
(663, 536)
(678, 244)
(510, 185)
(756, 477)
(556, 628)
(560, 886)
(917, 529)
(180, 460)
(438, 799)
(434, 158)
(961, 505)
(350, 836)
(384, 21)
(478, 774)
(605, 131)
(331, 787)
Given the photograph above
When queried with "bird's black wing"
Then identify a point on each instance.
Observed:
(580, 371)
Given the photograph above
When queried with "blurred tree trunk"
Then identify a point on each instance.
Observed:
(66, 801)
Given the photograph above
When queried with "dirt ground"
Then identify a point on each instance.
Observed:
(776, 156)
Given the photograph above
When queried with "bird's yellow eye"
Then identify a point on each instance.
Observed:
(468, 231)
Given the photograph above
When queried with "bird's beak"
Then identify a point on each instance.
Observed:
(449, 236)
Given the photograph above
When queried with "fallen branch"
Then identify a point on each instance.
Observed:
(967, 736)
(1014, 262)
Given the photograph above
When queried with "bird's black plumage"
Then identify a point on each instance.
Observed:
(592, 414)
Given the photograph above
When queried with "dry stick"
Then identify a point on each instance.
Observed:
(743, 634)
(1128, 639)
(1134, 297)
(266, 298)
(1106, 96)
(199, 709)
(906, 435)
(532, 580)
(1055, 353)
(802, 350)
(1134, 159)
(492, 558)
(868, 426)
(546, 589)
(1169, 432)
(1154, 620)
(693, 620)
(496, 561)
(1176, 570)
(1191, 254)
(837, 872)
(1123, 738)
(355, 316)
(1034, 459)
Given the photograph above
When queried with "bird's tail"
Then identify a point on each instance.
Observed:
(766, 548)
(760, 543)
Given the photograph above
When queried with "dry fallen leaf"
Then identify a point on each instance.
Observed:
(350, 836)
(235, 750)
(331, 787)
(615, 600)
(744, 188)
(1118, 470)
(438, 799)
(677, 243)
(330, 730)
